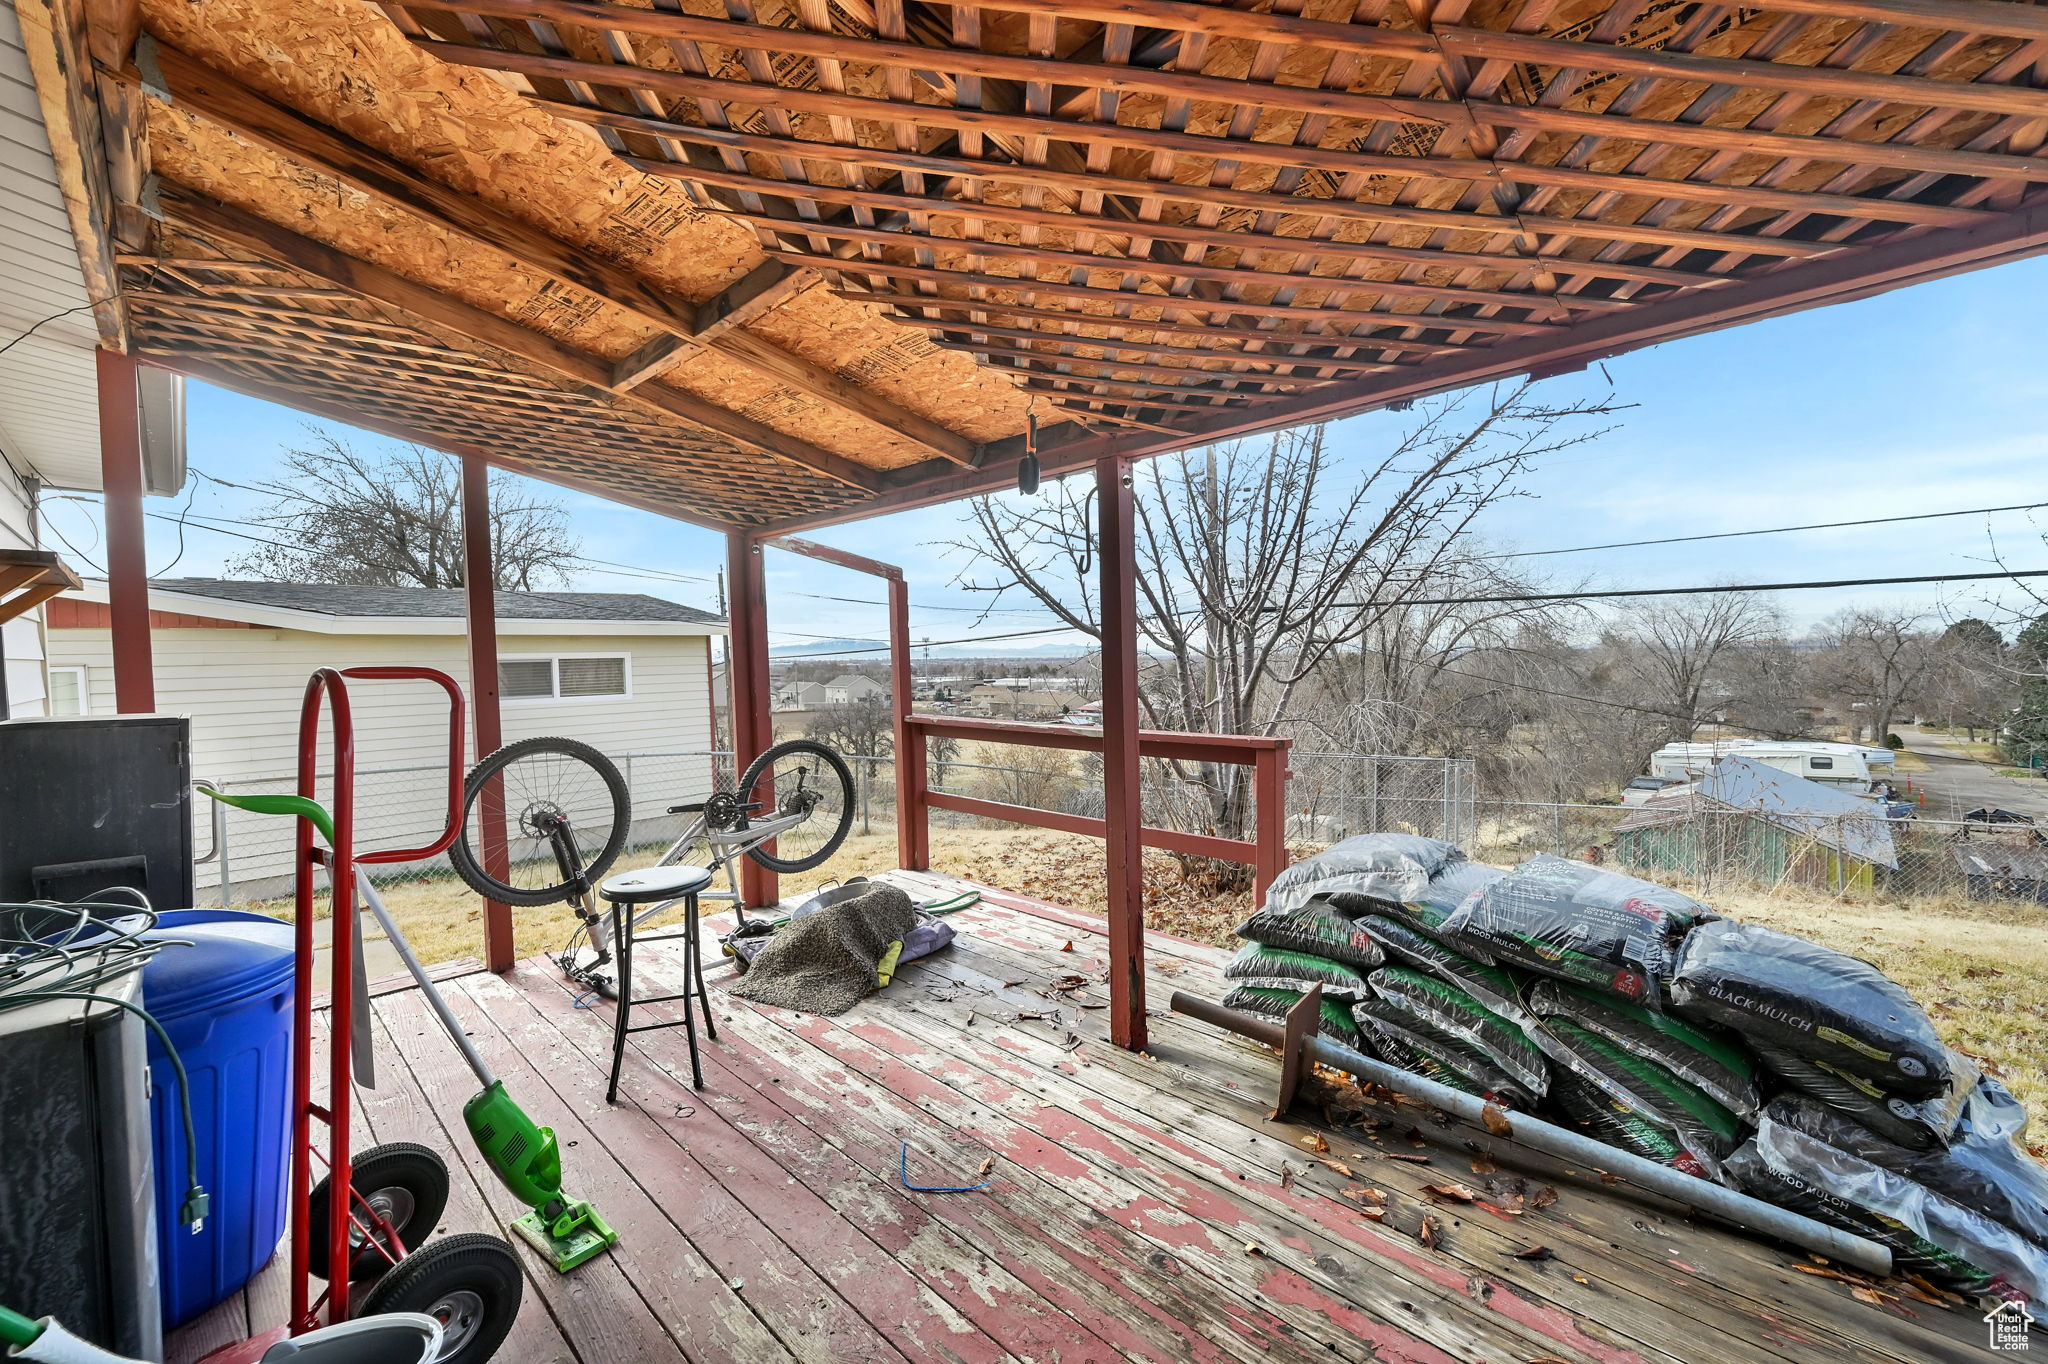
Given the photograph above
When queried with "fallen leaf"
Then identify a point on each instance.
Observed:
(1543, 1197)
(1534, 1253)
(1415, 1137)
(1482, 1164)
(1286, 1176)
(1426, 1233)
(1496, 1120)
(1579, 1278)
(1372, 1214)
(1403, 1155)
(986, 1166)
(1340, 1167)
(1317, 1142)
(1504, 1214)
(1452, 1190)
(1253, 1248)
(1067, 946)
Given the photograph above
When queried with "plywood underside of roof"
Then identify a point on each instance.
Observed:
(1197, 221)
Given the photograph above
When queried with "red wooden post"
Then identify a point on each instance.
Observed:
(1123, 816)
(1269, 796)
(753, 725)
(913, 820)
(481, 602)
(127, 561)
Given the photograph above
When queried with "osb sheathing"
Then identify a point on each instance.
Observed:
(346, 65)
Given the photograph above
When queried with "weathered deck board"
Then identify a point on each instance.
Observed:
(1140, 1207)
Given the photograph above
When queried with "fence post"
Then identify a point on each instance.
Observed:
(1269, 795)
(866, 770)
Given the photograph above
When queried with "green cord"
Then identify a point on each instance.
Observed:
(18, 1331)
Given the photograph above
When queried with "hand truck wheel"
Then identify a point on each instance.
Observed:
(470, 1283)
(404, 1184)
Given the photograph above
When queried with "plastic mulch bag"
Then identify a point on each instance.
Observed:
(1923, 1126)
(1992, 1111)
(1453, 1011)
(1989, 1175)
(1316, 929)
(1393, 867)
(1498, 988)
(1577, 922)
(1335, 1021)
(1277, 968)
(1713, 1061)
(1912, 1253)
(1642, 1090)
(1439, 1055)
(1607, 1119)
(1812, 1001)
(1965, 1232)
(1449, 888)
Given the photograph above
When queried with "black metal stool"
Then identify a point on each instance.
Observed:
(655, 885)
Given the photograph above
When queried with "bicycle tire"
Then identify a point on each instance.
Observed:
(837, 765)
(469, 865)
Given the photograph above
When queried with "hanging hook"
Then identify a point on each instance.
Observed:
(1027, 467)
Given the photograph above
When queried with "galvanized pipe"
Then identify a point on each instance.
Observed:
(1713, 1199)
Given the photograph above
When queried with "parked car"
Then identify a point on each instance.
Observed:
(1987, 815)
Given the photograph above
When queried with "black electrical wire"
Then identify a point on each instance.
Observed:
(923, 643)
(1769, 530)
(1689, 591)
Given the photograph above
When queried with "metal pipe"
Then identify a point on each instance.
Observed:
(426, 983)
(1703, 1195)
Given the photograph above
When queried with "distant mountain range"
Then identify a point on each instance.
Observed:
(999, 649)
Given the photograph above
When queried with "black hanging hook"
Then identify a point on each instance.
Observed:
(1027, 467)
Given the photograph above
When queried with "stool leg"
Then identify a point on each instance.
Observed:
(692, 970)
(697, 943)
(622, 945)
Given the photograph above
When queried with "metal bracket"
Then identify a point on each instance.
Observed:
(1303, 1023)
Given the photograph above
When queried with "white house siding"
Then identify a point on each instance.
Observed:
(242, 688)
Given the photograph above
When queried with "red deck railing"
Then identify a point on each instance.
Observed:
(1265, 852)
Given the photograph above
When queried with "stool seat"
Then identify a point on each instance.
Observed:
(653, 884)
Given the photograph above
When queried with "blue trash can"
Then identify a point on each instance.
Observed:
(226, 1001)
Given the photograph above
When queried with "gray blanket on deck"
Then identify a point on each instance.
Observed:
(825, 963)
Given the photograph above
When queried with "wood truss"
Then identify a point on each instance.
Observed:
(1166, 221)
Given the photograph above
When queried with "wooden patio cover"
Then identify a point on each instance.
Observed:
(768, 264)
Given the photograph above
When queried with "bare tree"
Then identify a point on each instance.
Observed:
(1673, 646)
(396, 521)
(1257, 565)
(1876, 660)
(864, 726)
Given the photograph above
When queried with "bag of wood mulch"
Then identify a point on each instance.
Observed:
(1335, 1015)
(1579, 923)
(1498, 988)
(1448, 889)
(1803, 1139)
(1393, 867)
(1432, 1052)
(1713, 1060)
(1928, 1125)
(1316, 929)
(1811, 1001)
(1277, 968)
(1429, 1000)
(1642, 1091)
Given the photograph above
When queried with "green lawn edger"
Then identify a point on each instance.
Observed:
(524, 1155)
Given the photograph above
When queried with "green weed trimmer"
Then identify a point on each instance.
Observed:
(523, 1154)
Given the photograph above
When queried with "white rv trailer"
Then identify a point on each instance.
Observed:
(1849, 765)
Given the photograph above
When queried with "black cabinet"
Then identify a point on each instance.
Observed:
(89, 802)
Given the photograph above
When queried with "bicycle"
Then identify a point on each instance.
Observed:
(555, 797)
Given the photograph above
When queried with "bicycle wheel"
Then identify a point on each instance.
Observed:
(566, 815)
(799, 778)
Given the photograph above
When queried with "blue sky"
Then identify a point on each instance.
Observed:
(1926, 399)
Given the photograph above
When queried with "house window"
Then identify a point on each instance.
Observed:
(69, 693)
(572, 678)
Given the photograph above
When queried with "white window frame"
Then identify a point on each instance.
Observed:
(554, 662)
(84, 687)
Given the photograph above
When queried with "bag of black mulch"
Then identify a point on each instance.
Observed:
(1449, 1009)
(1812, 1001)
(1277, 968)
(1802, 1138)
(1316, 929)
(1449, 888)
(1498, 988)
(1990, 1175)
(1929, 1124)
(1703, 1130)
(1437, 1054)
(1392, 867)
(1912, 1253)
(1606, 1119)
(1714, 1061)
(1580, 923)
(1334, 1023)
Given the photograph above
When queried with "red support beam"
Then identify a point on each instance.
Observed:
(1269, 793)
(485, 719)
(1123, 821)
(127, 556)
(913, 820)
(753, 724)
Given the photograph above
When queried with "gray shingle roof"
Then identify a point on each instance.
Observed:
(332, 599)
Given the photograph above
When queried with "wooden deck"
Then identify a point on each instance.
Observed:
(1138, 1207)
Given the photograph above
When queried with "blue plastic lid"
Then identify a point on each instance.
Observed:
(232, 956)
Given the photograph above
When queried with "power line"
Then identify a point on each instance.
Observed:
(923, 606)
(926, 643)
(1772, 530)
(1691, 591)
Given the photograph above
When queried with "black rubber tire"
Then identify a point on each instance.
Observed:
(417, 1170)
(834, 763)
(469, 865)
(479, 1272)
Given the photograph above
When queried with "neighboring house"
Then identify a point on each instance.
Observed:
(850, 687)
(627, 673)
(1022, 698)
(800, 696)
